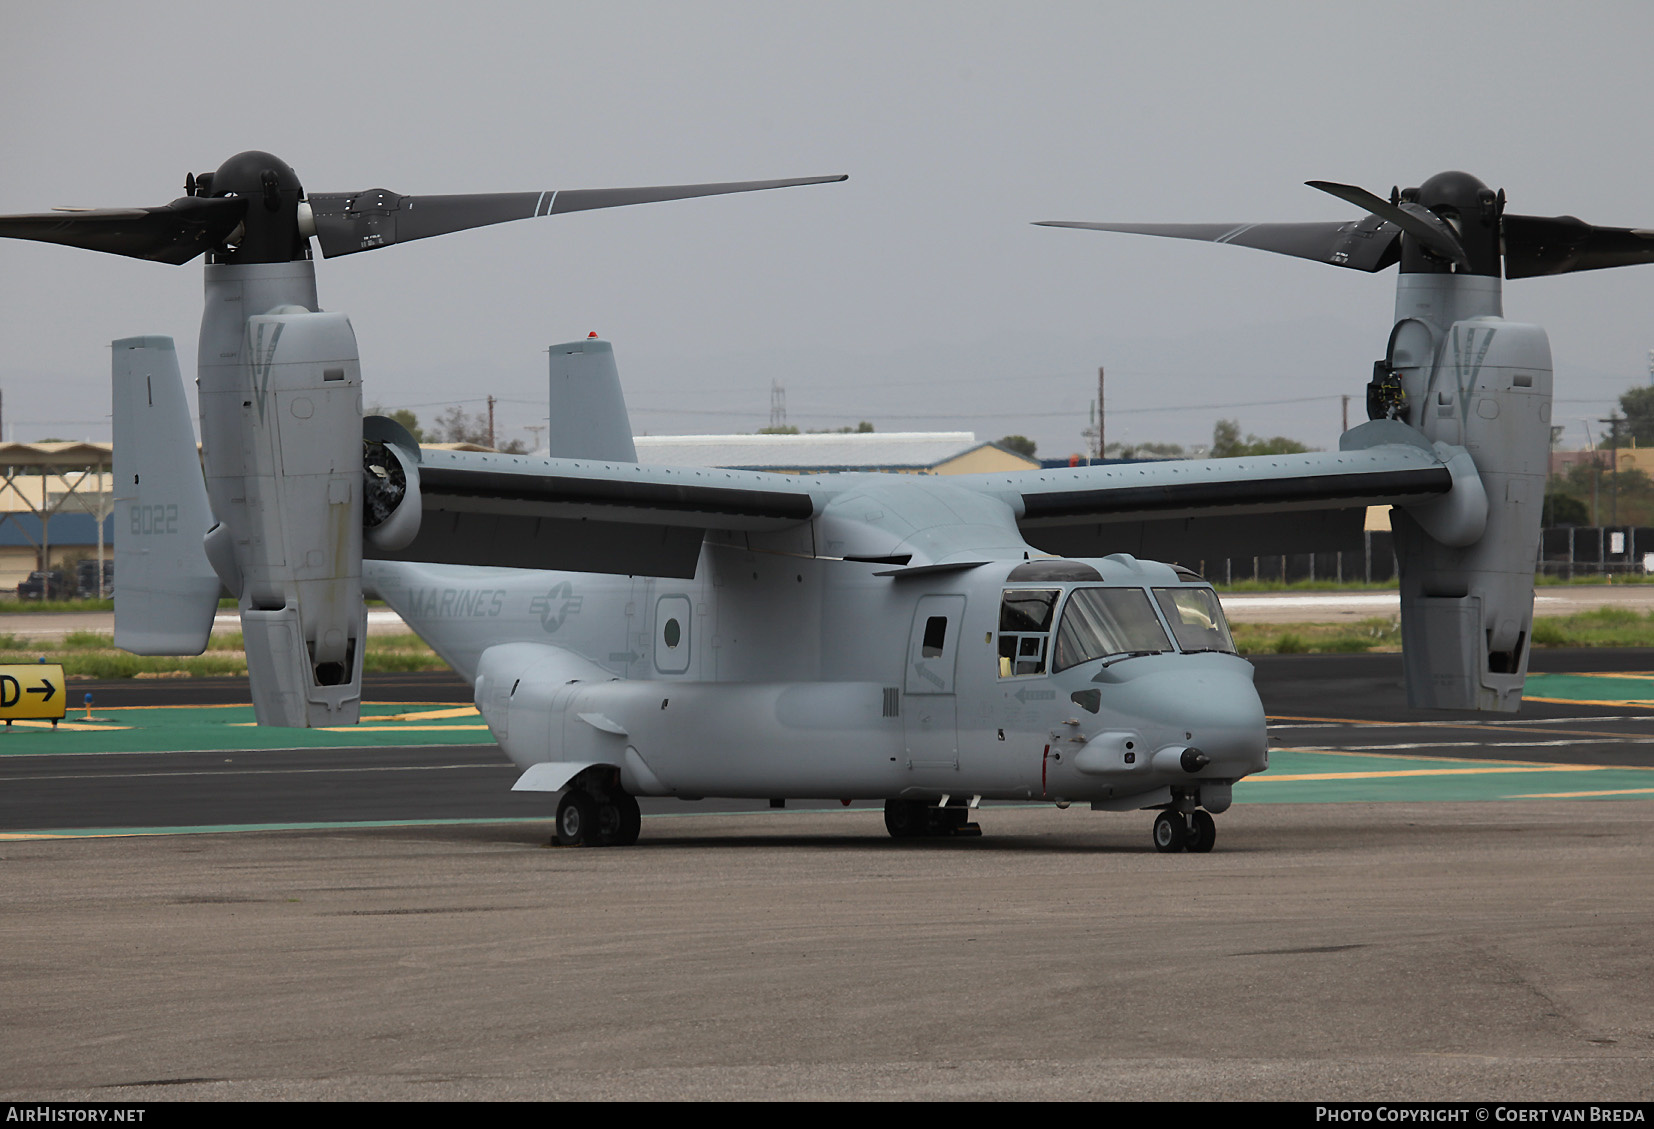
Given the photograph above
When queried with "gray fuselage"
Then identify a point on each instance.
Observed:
(777, 676)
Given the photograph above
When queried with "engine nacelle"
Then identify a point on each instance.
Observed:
(281, 421)
(1467, 606)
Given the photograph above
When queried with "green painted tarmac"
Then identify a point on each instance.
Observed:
(1302, 776)
(189, 729)
(1295, 776)
(1635, 689)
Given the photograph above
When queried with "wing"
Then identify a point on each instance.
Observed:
(1192, 510)
(581, 516)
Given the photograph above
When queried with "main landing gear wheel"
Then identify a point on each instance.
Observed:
(921, 819)
(1170, 832)
(618, 820)
(577, 824)
(906, 819)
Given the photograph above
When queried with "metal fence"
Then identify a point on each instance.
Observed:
(1374, 561)
(1565, 552)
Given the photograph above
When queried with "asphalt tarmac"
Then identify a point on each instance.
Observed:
(1382, 948)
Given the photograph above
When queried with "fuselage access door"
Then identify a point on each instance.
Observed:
(929, 711)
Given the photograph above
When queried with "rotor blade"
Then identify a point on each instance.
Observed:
(1536, 245)
(1415, 219)
(347, 222)
(1369, 244)
(173, 233)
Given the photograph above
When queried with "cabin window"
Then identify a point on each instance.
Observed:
(1099, 622)
(1196, 619)
(1025, 630)
(936, 637)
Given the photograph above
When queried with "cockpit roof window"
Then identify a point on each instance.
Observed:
(1098, 622)
(1053, 569)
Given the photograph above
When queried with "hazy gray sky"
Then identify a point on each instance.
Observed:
(917, 295)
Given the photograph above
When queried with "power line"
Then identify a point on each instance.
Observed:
(741, 413)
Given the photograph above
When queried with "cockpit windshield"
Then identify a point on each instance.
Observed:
(1097, 622)
(1196, 619)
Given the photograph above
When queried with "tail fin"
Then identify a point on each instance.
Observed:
(588, 411)
(167, 591)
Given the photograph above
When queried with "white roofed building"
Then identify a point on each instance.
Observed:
(896, 452)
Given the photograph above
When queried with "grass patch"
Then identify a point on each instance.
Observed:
(1605, 627)
(1596, 581)
(1327, 585)
(11, 607)
(1377, 634)
(89, 654)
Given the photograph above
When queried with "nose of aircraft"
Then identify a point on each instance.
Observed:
(1212, 707)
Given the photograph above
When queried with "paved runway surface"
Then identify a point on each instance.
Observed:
(1407, 949)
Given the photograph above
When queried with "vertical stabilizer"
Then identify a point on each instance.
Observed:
(588, 412)
(166, 592)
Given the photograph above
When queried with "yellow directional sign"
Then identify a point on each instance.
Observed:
(35, 691)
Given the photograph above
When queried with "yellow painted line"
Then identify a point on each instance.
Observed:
(21, 836)
(1482, 762)
(1614, 674)
(249, 705)
(1625, 703)
(76, 725)
(1470, 726)
(429, 715)
(396, 728)
(1574, 795)
(366, 728)
(1266, 777)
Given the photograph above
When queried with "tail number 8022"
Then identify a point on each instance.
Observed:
(160, 518)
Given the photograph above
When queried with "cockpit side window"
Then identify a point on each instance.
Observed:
(1025, 630)
(1196, 619)
(1098, 622)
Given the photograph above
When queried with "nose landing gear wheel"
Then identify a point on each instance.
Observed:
(1203, 831)
(1170, 832)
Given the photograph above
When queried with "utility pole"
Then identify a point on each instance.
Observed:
(778, 406)
(1093, 432)
(491, 424)
(535, 429)
(1613, 421)
(1346, 400)
(1102, 444)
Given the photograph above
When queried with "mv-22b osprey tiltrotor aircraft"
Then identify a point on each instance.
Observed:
(664, 631)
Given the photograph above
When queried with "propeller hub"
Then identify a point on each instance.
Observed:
(270, 230)
(1471, 209)
(1458, 191)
